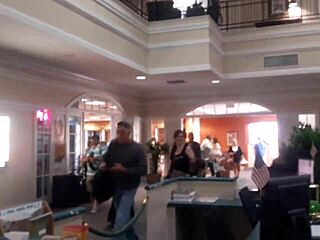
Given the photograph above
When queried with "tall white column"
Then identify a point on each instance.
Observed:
(285, 123)
(170, 125)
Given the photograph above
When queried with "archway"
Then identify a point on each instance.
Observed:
(87, 115)
(244, 121)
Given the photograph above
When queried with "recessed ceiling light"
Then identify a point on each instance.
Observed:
(215, 81)
(141, 77)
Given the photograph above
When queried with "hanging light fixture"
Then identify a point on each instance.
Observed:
(294, 10)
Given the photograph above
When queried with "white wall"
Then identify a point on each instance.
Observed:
(18, 177)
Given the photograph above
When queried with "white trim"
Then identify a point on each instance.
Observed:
(51, 76)
(178, 43)
(99, 94)
(103, 22)
(14, 105)
(125, 13)
(176, 25)
(274, 49)
(270, 72)
(289, 30)
(187, 68)
(9, 12)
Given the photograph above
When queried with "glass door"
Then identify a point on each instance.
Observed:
(43, 153)
(74, 143)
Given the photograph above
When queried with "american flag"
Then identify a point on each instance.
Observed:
(260, 173)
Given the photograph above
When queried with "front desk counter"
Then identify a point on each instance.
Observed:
(171, 220)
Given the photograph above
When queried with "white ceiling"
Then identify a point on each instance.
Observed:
(33, 45)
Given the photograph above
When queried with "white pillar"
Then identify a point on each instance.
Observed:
(285, 123)
(170, 125)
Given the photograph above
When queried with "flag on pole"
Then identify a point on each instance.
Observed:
(313, 151)
(260, 173)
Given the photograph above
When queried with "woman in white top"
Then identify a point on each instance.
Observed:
(215, 154)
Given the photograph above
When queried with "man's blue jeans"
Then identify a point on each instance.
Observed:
(123, 200)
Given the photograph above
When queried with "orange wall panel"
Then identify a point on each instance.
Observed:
(219, 126)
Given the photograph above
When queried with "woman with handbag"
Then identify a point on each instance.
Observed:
(182, 156)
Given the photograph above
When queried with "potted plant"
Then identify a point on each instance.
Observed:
(299, 147)
(155, 149)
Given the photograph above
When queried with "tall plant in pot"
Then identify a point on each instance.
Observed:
(155, 149)
(302, 138)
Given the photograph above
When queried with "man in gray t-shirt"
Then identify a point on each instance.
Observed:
(126, 160)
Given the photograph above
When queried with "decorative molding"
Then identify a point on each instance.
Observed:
(56, 77)
(274, 49)
(271, 73)
(176, 25)
(103, 22)
(125, 13)
(187, 68)
(301, 29)
(12, 13)
(14, 105)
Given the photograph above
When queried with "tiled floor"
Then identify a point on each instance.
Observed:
(98, 220)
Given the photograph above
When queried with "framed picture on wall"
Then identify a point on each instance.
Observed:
(278, 7)
(230, 137)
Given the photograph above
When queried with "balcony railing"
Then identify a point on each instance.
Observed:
(138, 6)
(233, 14)
(250, 13)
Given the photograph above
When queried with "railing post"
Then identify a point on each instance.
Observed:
(262, 9)
(141, 7)
(227, 15)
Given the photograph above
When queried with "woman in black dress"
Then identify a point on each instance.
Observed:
(181, 156)
(237, 154)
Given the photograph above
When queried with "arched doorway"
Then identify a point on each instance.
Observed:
(87, 115)
(244, 121)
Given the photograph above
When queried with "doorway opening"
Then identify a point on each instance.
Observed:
(243, 121)
(89, 116)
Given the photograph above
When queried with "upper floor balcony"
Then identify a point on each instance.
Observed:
(85, 36)
(230, 14)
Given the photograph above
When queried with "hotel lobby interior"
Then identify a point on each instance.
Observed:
(245, 72)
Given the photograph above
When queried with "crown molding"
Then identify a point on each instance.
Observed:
(43, 74)
(280, 31)
(274, 49)
(33, 22)
(14, 105)
(187, 68)
(273, 72)
(125, 13)
(176, 25)
(107, 23)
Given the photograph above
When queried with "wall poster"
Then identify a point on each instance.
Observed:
(59, 143)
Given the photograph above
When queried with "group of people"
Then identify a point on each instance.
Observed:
(124, 163)
(192, 159)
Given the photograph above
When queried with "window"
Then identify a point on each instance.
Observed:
(228, 109)
(137, 129)
(4, 140)
(309, 119)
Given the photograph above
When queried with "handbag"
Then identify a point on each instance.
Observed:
(102, 186)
